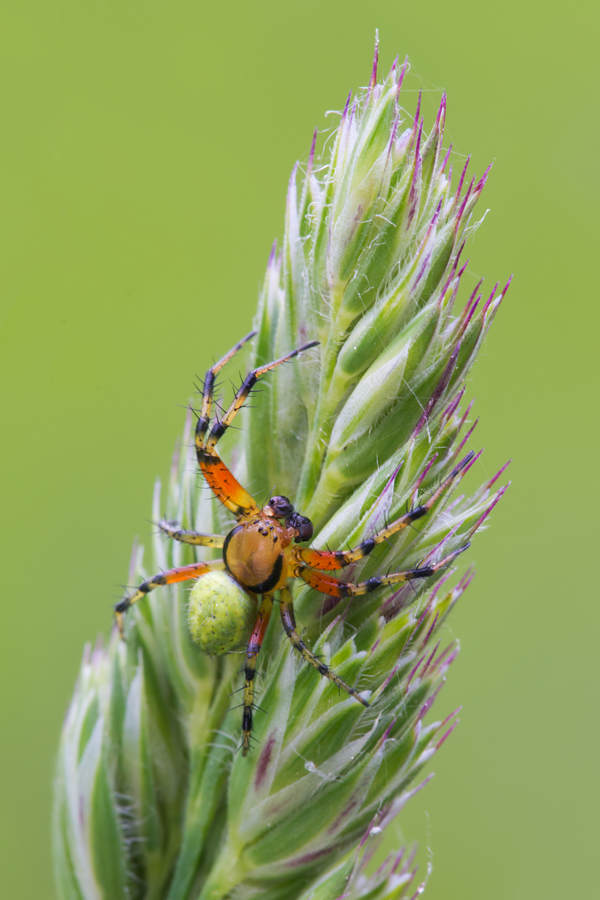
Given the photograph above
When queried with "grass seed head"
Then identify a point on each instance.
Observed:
(152, 798)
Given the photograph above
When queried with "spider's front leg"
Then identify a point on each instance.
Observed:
(171, 576)
(252, 651)
(336, 588)
(289, 625)
(327, 560)
(217, 475)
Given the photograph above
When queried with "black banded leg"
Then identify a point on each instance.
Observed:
(335, 588)
(216, 474)
(191, 537)
(219, 428)
(289, 626)
(209, 385)
(252, 651)
(328, 560)
(182, 573)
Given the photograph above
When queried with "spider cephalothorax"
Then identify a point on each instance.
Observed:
(254, 552)
(261, 556)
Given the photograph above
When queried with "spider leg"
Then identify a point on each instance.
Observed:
(219, 428)
(336, 588)
(327, 560)
(191, 537)
(228, 490)
(171, 576)
(254, 645)
(216, 473)
(289, 625)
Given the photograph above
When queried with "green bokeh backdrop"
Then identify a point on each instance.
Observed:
(143, 167)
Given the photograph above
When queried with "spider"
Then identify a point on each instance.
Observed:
(261, 555)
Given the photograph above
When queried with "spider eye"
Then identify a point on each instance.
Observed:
(303, 526)
(281, 506)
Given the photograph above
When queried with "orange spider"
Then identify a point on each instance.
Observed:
(260, 555)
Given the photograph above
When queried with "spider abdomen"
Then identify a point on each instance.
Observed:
(221, 614)
(254, 553)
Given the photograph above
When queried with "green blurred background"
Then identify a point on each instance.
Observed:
(144, 159)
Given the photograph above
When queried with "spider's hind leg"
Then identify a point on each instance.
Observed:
(252, 651)
(172, 576)
(289, 625)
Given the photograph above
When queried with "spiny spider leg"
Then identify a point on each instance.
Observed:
(336, 588)
(171, 576)
(191, 537)
(219, 428)
(228, 490)
(327, 560)
(209, 384)
(289, 625)
(216, 473)
(254, 645)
